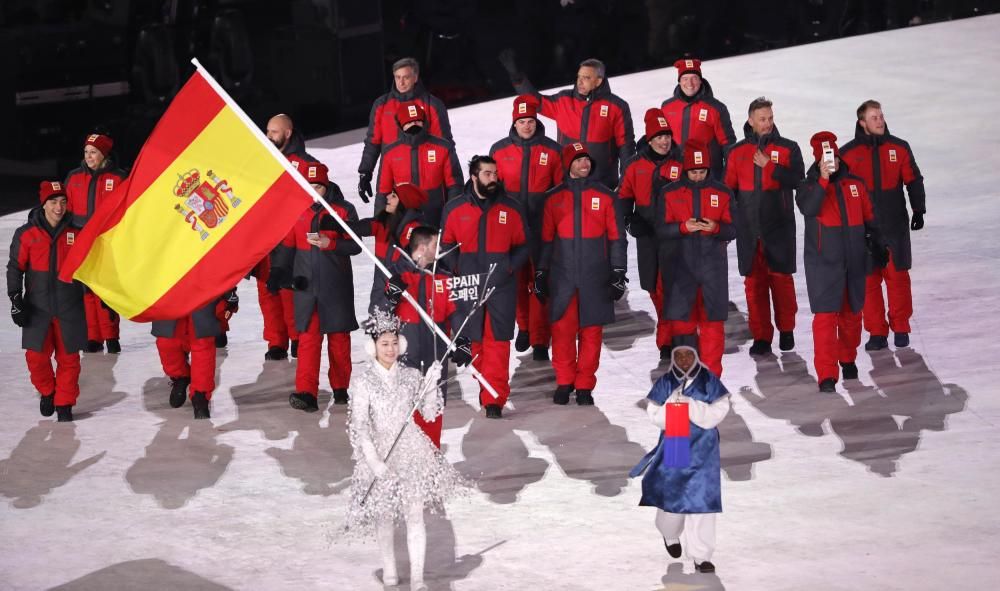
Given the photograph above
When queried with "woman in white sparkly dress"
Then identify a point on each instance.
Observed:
(416, 475)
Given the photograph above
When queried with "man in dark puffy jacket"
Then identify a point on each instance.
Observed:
(694, 213)
(763, 170)
(382, 128)
(582, 270)
(529, 164)
(693, 112)
(314, 258)
(86, 187)
(421, 158)
(886, 164)
(489, 228)
(840, 235)
(49, 312)
(588, 114)
(658, 162)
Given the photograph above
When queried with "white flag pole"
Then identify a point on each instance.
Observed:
(298, 178)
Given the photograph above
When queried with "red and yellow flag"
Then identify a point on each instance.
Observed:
(208, 198)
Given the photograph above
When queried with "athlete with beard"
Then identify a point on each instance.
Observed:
(489, 228)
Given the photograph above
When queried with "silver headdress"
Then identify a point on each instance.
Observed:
(381, 322)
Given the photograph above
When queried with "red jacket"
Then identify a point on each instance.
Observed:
(488, 231)
(703, 117)
(884, 178)
(641, 184)
(838, 215)
(86, 188)
(601, 121)
(426, 161)
(383, 130)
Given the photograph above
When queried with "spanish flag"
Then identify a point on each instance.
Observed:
(208, 198)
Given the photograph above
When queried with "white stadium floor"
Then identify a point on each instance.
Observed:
(890, 484)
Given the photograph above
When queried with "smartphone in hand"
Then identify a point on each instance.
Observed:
(312, 235)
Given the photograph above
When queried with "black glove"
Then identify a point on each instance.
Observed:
(917, 222)
(462, 353)
(299, 283)
(232, 302)
(506, 57)
(618, 281)
(394, 289)
(278, 279)
(111, 313)
(879, 251)
(365, 186)
(542, 285)
(19, 311)
(638, 227)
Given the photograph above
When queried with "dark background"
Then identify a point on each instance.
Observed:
(113, 65)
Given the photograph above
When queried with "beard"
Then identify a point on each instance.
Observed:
(278, 144)
(489, 190)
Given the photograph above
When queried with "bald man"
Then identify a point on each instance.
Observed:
(282, 133)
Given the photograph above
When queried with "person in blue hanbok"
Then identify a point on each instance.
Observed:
(681, 475)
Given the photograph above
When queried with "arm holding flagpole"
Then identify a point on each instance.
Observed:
(343, 224)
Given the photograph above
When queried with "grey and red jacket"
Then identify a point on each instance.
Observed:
(528, 169)
(205, 319)
(644, 177)
(765, 198)
(383, 129)
(432, 294)
(330, 290)
(583, 239)
(699, 259)
(838, 215)
(388, 233)
(489, 231)
(37, 253)
(601, 121)
(704, 117)
(886, 163)
(427, 161)
(86, 188)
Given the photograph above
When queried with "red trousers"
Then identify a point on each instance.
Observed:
(100, 326)
(576, 350)
(288, 310)
(662, 324)
(711, 334)
(532, 315)
(897, 287)
(836, 337)
(310, 351)
(277, 330)
(432, 429)
(492, 359)
(174, 353)
(65, 380)
(762, 286)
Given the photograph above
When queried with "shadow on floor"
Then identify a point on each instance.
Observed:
(141, 575)
(41, 463)
(677, 580)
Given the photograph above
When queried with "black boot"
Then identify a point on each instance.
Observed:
(665, 351)
(303, 401)
(901, 339)
(47, 405)
(523, 341)
(200, 403)
(828, 386)
(221, 340)
(94, 346)
(877, 343)
(295, 348)
(786, 341)
(114, 347)
(584, 398)
(494, 411)
(849, 370)
(178, 391)
(340, 396)
(760, 347)
(540, 353)
(561, 395)
(64, 413)
(704, 567)
(674, 550)
(276, 354)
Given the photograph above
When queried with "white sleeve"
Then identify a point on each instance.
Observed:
(361, 426)
(656, 414)
(708, 416)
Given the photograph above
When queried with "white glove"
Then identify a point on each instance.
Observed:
(380, 469)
